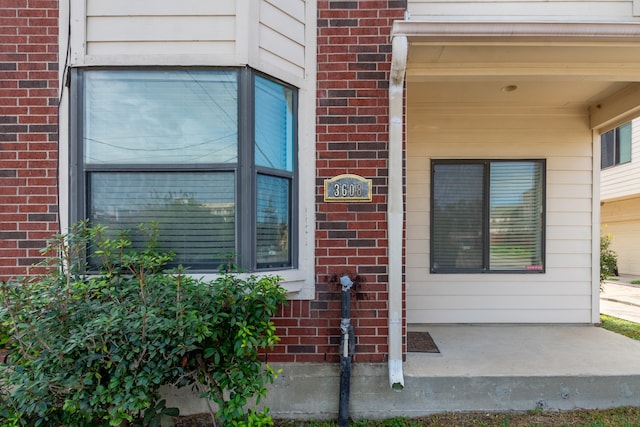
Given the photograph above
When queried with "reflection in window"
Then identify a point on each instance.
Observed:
(160, 117)
(273, 221)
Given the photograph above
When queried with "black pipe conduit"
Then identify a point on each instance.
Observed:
(347, 348)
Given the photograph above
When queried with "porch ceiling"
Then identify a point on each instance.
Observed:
(547, 66)
(520, 76)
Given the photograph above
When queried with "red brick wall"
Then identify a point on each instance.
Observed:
(354, 58)
(28, 131)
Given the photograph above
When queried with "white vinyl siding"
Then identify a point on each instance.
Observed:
(563, 293)
(282, 34)
(165, 27)
(269, 35)
(188, 30)
(524, 10)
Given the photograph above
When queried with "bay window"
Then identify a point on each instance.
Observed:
(209, 155)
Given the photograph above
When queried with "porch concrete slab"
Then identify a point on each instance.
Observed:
(479, 368)
(506, 350)
(519, 368)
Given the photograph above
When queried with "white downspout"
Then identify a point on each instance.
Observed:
(395, 209)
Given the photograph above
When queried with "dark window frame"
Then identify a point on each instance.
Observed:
(245, 169)
(486, 218)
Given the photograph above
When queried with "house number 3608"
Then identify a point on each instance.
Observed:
(347, 190)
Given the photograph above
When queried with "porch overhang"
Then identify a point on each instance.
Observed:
(592, 69)
(553, 64)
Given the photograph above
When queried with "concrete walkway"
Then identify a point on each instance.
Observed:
(620, 298)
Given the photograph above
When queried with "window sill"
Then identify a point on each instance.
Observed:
(297, 285)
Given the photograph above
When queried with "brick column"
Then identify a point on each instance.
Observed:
(28, 132)
(354, 59)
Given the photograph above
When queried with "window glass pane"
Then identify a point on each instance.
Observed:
(457, 217)
(274, 125)
(273, 222)
(195, 211)
(515, 222)
(624, 144)
(607, 149)
(160, 117)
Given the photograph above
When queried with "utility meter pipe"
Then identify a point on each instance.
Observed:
(347, 347)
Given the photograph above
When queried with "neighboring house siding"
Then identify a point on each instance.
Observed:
(620, 207)
(522, 10)
(621, 221)
(28, 133)
(563, 293)
(623, 181)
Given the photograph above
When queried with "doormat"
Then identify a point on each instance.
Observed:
(421, 342)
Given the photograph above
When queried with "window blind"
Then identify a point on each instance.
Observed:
(194, 211)
(457, 216)
(515, 216)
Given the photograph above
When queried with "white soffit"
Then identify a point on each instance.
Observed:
(552, 64)
(596, 51)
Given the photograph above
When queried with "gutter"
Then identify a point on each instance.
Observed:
(395, 209)
(581, 33)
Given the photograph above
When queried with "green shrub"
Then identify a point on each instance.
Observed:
(608, 258)
(93, 349)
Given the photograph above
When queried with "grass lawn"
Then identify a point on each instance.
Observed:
(622, 327)
(619, 417)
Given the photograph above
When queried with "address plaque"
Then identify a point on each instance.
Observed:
(347, 188)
